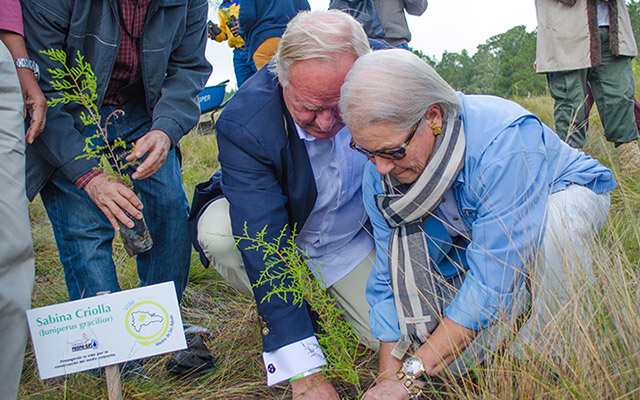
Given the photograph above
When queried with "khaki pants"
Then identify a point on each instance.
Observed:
(16, 250)
(564, 272)
(215, 238)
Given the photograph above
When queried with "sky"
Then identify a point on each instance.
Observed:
(451, 25)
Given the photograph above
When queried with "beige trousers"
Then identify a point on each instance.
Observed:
(16, 250)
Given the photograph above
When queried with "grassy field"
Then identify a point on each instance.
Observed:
(603, 360)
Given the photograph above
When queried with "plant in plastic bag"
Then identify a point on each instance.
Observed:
(77, 85)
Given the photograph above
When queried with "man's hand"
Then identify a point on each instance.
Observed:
(112, 196)
(387, 389)
(157, 144)
(313, 387)
(34, 102)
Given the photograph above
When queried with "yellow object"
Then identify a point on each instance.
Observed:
(265, 52)
(223, 17)
(436, 130)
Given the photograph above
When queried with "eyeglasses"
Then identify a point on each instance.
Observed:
(392, 154)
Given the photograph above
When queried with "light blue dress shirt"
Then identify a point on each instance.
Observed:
(333, 233)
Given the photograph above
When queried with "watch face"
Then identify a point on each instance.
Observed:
(412, 366)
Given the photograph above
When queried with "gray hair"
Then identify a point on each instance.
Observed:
(393, 87)
(318, 34)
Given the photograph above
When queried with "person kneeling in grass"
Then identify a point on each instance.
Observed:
(465, 193)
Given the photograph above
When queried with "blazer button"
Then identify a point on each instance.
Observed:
(265, 330)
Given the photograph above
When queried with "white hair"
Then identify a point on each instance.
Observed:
(318, 34)
(393, 87)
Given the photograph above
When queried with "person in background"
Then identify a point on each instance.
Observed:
(590, 42)
(262, 23)
(19, 91)
(464, 193)
(148, 59)
(392, 16)
(364, 12)
(286, 166)
(228, 12)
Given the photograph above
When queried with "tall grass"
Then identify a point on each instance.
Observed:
(601, 361)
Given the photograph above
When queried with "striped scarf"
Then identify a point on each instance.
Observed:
(417, 296)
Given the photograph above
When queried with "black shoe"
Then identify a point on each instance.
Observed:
(194, 361)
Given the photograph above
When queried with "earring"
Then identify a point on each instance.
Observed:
(436, 130)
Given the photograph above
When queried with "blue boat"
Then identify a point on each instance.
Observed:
(211, 97)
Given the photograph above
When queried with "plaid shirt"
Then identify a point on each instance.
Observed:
(126, 77)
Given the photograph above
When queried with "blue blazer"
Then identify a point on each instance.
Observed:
(267, 178)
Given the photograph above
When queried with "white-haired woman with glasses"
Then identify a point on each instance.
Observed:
(465, 193)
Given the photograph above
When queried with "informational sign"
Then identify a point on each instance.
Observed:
(105, 330)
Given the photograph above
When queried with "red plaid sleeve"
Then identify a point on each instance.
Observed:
(84, 179)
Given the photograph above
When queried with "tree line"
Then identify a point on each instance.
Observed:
(503, 65)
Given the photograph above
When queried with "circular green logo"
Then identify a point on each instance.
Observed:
(147, 321)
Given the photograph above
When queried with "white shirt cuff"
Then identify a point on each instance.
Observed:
(292, 360)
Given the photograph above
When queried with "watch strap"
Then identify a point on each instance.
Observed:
(26, 63)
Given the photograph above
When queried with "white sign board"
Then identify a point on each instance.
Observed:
(105, 330)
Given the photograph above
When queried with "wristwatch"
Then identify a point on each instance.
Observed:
(411, 371)
(26, 63)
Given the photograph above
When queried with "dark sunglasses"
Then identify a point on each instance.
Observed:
(391, 154)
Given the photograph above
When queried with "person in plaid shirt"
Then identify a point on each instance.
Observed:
(148, 57)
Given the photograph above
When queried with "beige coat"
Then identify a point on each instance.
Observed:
(564, 42)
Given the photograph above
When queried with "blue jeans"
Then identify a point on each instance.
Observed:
(243, 65)
(84, 235)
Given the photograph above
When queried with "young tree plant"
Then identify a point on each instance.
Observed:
(77, 84)
(287, 271)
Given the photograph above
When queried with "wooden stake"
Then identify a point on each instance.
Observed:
(112, 372)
